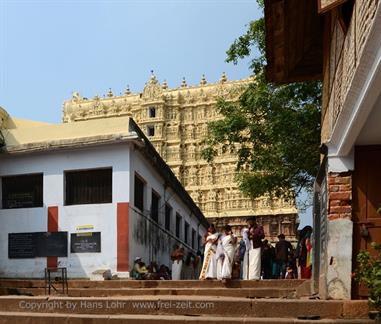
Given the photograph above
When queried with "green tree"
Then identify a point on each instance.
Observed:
(273, 129)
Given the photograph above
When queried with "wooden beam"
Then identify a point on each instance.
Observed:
(327, 5)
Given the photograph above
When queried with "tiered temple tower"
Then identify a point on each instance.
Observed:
(175, 120)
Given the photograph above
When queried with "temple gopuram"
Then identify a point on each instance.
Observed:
(176, 122)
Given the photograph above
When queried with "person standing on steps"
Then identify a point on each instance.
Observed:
(197, 264)
(228, 243)
(256, 235)
(187, 271)
(304, 253)
(177, 262)
(267, 259)
(220, 256)
(209, 266)
(283, 249)
(244, 249)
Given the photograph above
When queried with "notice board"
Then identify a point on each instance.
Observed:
(37, 244)
(51, 244)
(88, 242)
(21, 246)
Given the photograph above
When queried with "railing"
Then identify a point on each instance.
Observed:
(160, 228)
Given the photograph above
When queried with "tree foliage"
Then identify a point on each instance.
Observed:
(274, 129)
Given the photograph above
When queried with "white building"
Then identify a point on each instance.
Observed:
(102, 184)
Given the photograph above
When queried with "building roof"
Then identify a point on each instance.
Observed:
(13, 123)
(32, 136)
(28, 136)
(294, 41)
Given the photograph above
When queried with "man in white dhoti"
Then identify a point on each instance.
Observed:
(209, 266)
(229, 244)
(256, 234)
(177, 262)
(252, 259)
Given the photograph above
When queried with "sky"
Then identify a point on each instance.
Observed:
(51, 48)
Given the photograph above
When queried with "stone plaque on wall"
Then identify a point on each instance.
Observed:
(89, 242)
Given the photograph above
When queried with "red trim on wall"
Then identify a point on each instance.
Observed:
(122, 237)
(52, 262)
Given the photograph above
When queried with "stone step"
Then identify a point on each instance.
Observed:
(73, 283)
(102, 292)
(32, 318)
(187, 305)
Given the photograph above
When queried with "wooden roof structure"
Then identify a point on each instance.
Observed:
(294, 40)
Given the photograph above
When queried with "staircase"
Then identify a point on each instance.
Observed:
(133, 301)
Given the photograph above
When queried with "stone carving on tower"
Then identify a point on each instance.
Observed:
(152, 90)
(175, 120)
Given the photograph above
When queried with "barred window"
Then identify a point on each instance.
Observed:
(168, 213)
(193, 238)
(88, 186)
(155, 206)
(139, 186)
(22, 191)
(186, 232)
(178, 224)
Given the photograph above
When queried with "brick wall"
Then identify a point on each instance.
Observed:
(339, 195)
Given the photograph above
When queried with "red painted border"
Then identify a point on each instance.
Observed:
(122, 237)
(52, 262)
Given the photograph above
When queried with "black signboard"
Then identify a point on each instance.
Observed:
(88, 242)
(51, 244)
(37, 244)
(21, 245)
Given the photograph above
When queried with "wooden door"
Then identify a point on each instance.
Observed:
(366, 189)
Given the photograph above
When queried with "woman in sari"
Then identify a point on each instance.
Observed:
(209, 267)
(229, 244)
(304, 253)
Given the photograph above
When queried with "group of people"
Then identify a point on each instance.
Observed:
(219, 254)
(185, 267)
(285, 262)
(225, 258)
(254, 257)
(151, 272)
(278, 262)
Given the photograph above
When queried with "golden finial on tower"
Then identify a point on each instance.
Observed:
(153, 76)
(223, 77)
(76, 96)
(127, 91)
(183, 83)
(203, 80)
(109, 93)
